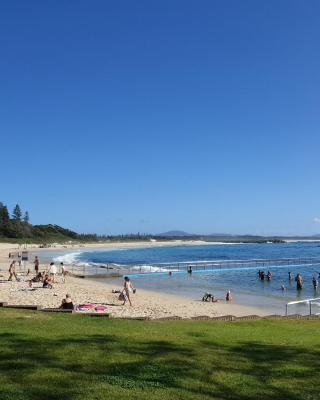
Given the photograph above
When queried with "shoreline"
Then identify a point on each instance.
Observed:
(146, 303)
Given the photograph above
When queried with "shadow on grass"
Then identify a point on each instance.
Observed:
(91, 366)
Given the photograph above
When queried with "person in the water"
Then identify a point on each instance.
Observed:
(290, 276)
(299, 281)
(315, 283)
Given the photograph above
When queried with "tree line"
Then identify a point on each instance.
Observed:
(17, 226)
(14, 225)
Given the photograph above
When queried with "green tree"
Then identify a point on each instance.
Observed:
(26, 217)
(17, 214)
(4, 220)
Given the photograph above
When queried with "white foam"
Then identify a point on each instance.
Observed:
(148, 268)
(69, 258)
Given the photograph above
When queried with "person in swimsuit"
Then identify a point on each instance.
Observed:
(12, 271)
(47, 282)
(36, 264)
(315, 283)
(299, 281)
(127, 290)
(228, 296)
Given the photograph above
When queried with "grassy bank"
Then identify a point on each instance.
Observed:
(46, 356)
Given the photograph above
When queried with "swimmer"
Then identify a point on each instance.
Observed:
(315, 283)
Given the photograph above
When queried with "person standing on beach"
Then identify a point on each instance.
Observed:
(12, 271)
(228, 296)
(127, 290)
(53, 271)
(36, 264)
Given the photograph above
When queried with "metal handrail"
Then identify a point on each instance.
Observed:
(308, 301)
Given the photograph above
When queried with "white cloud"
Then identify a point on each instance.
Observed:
(316, 219)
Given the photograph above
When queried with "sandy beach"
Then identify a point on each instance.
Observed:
(145, 303)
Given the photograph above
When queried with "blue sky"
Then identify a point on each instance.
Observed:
(148, 116)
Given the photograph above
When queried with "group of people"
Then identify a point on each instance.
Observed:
(262, 275)
(298, 279)
(47, 277)
(211, 297)
(52, 271)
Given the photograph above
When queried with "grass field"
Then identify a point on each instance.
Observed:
(68, 357)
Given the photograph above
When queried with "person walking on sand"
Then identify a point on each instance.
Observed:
(36, 264)
(127, 290)
(12, 271)
(53, 271)
(63, 272)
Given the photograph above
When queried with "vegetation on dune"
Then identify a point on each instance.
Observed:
(76, 357)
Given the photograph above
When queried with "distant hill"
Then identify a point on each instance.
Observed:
(176, 234)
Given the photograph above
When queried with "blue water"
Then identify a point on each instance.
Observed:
(190, 253)
(246, 288)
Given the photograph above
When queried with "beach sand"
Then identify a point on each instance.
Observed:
(145, 303)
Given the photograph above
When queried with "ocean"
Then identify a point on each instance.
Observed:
(243, 281)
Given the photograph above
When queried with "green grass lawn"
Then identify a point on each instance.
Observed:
(67, 357)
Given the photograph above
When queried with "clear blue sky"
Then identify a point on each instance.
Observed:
(130, 116)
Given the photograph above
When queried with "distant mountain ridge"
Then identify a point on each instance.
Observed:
(176, 233)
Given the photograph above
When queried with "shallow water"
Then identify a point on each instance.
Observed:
(244, 284)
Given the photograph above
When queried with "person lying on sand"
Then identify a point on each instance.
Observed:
(209, 297)
(37, 278)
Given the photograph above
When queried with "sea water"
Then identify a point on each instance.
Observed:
(244, 284)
